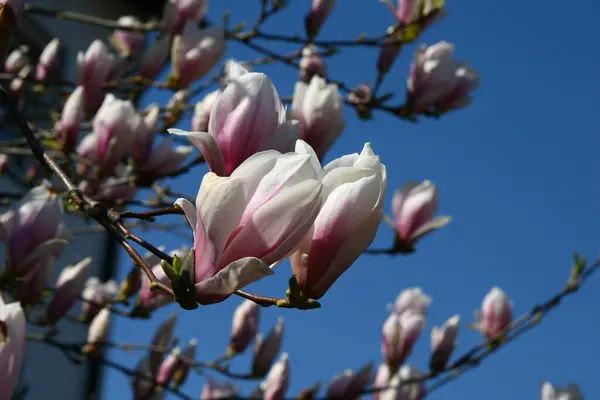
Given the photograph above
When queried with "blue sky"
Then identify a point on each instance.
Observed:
(517, 170)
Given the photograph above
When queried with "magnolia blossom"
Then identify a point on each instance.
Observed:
(182, 367)
(265, 350)
(155, 57)
(244, 327)
(353, 193)
(115, 125)
(167, 367)
(438, 81)
(73, 113)
(350, 385)
(399, 334)
(361, 97)
(95, 67)
(98, 332)
(163, 338)
(412, 300)
(496, 313)
(96, 295)
(247, 117)
(443, 341)
(178, 12)
(35, 232)
(12, 346)
(69, 286)
(4, 162)
(407, 391)
(319, 12)
(33, 284)
(146, 132)
(112, 191)
(18, 83)
(143, 383)
(550, 392)
(48, 62)
(410, 11)
(250, 220)
(165, 159)
(151, 300)
(382, 380)
(414, 206)
(202, 110)
(128, 41)
(311, 64)
(278, 380)
(213, 390)
(195, 52)
(17, 59)
(318, 107)
(233, 69)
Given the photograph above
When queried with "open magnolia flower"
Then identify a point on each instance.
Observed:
(246, 222)
(246, 118)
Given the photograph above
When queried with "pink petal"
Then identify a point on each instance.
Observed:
(207, 146)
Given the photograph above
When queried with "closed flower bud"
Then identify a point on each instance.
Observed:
(202, 111)
(143, 383)
(12, 346)
(437, 82)
(443, 341)
(349, 386)
(570, 392)
(317, 15)
(162, 339)
(115, 126)
(95, 67)
(496, 313)
(18, 84)
(218, 391)
(167, 368)
(361, 98)
(311, 64)
(246, 118)
(399, 334)
(48, 62)
(35, 233)
(72, 115)
(4, 163)
(145, 134)
(127, 41)
(412, 300)
(32, 287)
(278, 380)
(195, 52)
(347, 222)
(155, 57)
(265, 350)
(318, 107)
(389, 51)
(17, 60)
(244, 327)
(184, 363)
(95, 296)
(97, 333)
(164, 160)
(414, 206)
(131, 284)
(69, 287)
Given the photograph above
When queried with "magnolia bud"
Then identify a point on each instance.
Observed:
(127, 41)
(48, 62)
(311, 64)
(278, 380)
(72, 114)
(413, 300)
(319, 12)
(218, 391)
(97, 332)
(12, 346)
(244, 327)
(399, 334)
(155, 57)
(496, 313)
(265, 350)
(69, 287)
(443, 341)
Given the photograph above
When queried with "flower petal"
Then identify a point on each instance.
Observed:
(49, 248)
(208, 146)
(189, 211)
(234, 276)
(275, 229)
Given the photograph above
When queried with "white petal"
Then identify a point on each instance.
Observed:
(189, 211)
(208, 146)
(234, 276)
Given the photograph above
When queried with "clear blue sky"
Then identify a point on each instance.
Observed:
(518, 171)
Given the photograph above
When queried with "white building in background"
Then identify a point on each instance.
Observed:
(53, 376)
